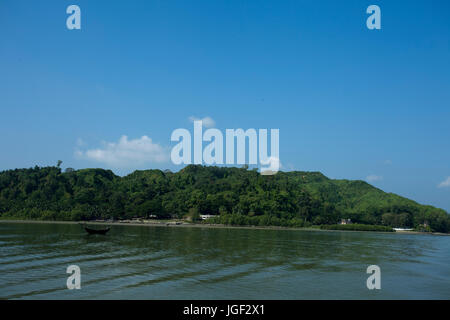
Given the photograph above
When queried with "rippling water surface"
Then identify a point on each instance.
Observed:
(200, 263)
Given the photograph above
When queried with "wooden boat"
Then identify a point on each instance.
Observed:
(96, 231)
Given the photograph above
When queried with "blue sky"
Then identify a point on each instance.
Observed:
(350, 102)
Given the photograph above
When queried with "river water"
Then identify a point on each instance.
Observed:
(141, 262)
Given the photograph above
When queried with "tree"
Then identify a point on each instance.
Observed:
(194, 214)
(239, 196)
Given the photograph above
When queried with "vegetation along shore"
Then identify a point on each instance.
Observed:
(225, 196)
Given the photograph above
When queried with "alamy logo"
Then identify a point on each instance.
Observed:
(74, 20)
(74, 280)
(374, 20)
(374, 281)
(213, 153)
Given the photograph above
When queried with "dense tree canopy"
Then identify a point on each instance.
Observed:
(237, 195)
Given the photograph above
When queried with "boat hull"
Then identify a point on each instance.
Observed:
(94, 231)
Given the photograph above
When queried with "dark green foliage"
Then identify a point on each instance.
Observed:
(263, 220)
(237, 195)
(356, 227)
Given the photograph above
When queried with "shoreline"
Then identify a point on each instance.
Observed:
(211, 226)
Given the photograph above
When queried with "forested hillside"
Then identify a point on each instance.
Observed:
(239, 195)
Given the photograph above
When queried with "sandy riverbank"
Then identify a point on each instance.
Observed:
(170, 224)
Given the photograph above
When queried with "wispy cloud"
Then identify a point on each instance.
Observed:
(207, 122)
(373, 178)
(388, 162)
(127, 153)
(445, 183)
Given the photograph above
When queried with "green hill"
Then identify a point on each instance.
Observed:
(239, 195)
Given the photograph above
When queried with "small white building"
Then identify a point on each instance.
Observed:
(207, 216)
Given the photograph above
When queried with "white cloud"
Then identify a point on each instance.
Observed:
(445, 183)
(207, 122)
(373, 178)
(127, 153)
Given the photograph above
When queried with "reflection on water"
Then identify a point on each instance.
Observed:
(200, 263)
